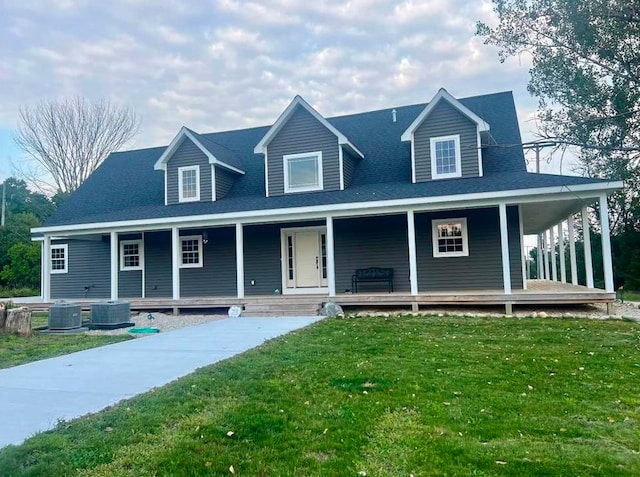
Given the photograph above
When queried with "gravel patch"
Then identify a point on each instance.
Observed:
(161, 321)
(626, 310)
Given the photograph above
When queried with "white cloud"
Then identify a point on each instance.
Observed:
(224, 64)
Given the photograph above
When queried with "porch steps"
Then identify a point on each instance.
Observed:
(283, 306)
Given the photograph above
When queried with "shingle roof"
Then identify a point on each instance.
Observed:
(220, 152)
(126, 186)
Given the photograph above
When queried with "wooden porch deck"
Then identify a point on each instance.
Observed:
(539, 292)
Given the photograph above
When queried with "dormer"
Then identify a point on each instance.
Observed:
(197, 169)
(303, 152)
(446, 140)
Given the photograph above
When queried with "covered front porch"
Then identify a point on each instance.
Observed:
(307, 258)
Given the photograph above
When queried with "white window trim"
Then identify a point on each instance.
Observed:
(180, 185)
(64, 247)
(200, 251)
(123, 268)
(285, 170)
(433, 141)
(465, 238)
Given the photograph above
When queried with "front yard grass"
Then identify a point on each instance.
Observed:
(383, 396)
(16, 350)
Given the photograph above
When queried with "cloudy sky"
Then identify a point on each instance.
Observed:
(225, 64)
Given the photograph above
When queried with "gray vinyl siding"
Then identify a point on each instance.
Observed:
(262, 259)
(482, 269)
(303, 133)
(445, 120)
(217, 276)
(129, 281)
(224, 181)
(372, 242)
(349, 164)
(157, 262)
(89, 265)
(188, 154)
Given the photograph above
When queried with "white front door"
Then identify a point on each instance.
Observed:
(304, 260)
(307, 259)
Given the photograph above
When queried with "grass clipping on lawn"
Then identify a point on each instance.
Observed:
(378, 397)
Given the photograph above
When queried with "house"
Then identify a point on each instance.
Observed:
(437, 192)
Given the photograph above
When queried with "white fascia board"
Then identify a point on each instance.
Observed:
(459, 201)
(161, 163)
(443, 94)
(261, 147)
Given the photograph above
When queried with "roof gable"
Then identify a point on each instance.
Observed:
(443, 95)
(261, 147)
(216, 153)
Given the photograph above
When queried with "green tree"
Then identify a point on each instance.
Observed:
(17, 230)
(23, 267)
(20, 200)
(586, 75)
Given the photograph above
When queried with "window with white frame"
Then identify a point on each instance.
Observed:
(445, 157)
(59, 258)
(189, 184)
(191, 251)
(450, 238)
(131, 255)
(303, 172)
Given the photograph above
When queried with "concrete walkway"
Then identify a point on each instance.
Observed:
(35, 396)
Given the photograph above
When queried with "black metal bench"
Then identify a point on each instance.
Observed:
(372, 275)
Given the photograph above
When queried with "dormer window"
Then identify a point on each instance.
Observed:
(303, 172)
(445, 157)
(189, 184)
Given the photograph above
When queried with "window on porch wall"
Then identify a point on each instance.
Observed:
(191, 251)
(450, 238)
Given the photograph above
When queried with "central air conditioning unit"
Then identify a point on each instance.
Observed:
(110, 314)
(65, 316)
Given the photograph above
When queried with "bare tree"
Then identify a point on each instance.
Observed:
(66, 140)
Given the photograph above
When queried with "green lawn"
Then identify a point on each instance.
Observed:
(15, 350)
(386, 396)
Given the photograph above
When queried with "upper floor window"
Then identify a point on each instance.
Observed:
(450, 238)
(131, 255)
(191, 251)
(189, 183)
(59, 258)
(445, 157)
(303, 172)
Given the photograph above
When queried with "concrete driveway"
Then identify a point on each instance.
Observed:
(37, 395)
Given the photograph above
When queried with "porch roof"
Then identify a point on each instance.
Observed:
(118, 210)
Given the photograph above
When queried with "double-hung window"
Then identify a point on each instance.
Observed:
(131, 255)
(59, 258)
(450, 238)
(191, 251)
(445, 157)
(189, 183)
(303, 172)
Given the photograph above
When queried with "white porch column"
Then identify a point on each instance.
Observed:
(540, 258)
(523, 251)
(240, 260)
(504, 245)
(113, 243)
(563, 266)
(548, 253)
(554, 265)
(331, 263)
(413, 261)
(586, 235)
(45, 285)
(175, 262)
(606, 244)
(572, 250)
